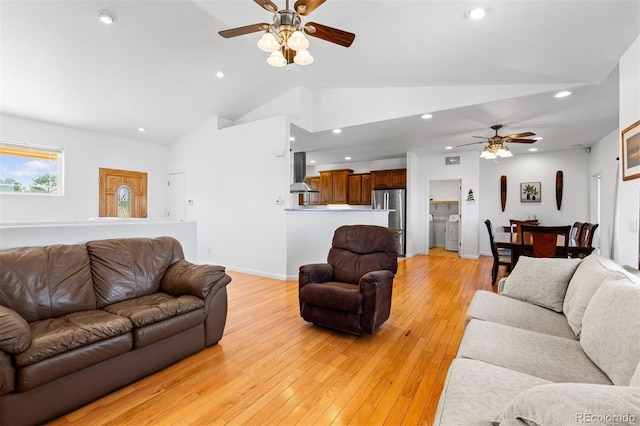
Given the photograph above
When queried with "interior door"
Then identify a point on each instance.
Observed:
(123, 193)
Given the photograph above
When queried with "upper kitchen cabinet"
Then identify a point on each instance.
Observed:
(386, 179)
(360, 189)
(334, 186)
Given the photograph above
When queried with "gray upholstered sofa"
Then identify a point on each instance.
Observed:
(560, 345)
(80, 321)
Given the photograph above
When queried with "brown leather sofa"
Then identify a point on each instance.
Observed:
(80, 321)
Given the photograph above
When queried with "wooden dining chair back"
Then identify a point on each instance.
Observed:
(500, 256)
(586, 236)
(544, 240)
(515, 224)
(576, 231)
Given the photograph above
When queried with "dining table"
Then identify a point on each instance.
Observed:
(512, 241)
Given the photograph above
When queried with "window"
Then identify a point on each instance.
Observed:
(30, 169)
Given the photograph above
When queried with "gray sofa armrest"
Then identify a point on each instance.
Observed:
(184, 277)
(15, 334)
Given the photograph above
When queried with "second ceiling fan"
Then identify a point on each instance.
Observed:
(495, 144)
(284, 37)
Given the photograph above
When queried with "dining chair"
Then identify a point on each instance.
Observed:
(500, 256)
(544, 240)
(576, 231)
(515, 224)
(588, 229)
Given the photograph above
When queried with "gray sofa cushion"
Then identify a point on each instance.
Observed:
(591, 273)
(475, 392)
(488, 306)
(541, 281)
(548, 357)
(611, 329)
(572, 403)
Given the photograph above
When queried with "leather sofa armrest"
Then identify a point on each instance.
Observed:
(315, 273)
(376, 288)
(184, 277)
(15, 334)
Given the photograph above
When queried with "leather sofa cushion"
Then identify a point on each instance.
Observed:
(127, 268)
(55, 336)
(155, 307)
(66, 363)
(333, 295)
(15, 334)
(46, 282)
(152, 333)
(7, 374)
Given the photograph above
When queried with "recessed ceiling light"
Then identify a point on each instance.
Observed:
(562, 94)
(106, 17)
(220, 74)
(477, 12)
(292, 139)
(347, 158)
(142, 129)
(448, 147)
(533, 149)
(427, 116)
(538, 138)
(337, 131)
(313, 161)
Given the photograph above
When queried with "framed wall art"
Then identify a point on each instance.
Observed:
(631, 151)
(530, 192)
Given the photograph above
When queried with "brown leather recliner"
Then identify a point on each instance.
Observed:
(352, 291)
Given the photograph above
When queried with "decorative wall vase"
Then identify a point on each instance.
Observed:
(503, 191)
(559, 186)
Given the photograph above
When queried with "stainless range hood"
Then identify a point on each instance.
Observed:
(299, 173)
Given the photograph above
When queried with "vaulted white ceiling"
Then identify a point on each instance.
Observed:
(155, 68)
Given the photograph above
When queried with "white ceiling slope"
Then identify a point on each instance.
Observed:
(155, 68)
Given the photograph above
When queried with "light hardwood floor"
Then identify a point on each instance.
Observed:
(272, 368)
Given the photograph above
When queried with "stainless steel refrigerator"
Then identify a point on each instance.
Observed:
(393, 199)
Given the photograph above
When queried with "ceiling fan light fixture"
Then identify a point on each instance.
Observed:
(506, 153)
(303, 57)
(268, 43)
(298, 41)
(277, 59)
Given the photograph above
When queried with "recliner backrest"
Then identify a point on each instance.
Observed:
(359, 249)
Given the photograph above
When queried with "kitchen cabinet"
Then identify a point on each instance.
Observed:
(386, 179)
(311, 198)
(360, 189)
(334, 186)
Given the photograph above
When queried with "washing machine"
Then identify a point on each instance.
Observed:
(452, 233)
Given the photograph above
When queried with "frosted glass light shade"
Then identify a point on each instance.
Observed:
(277, 59)
(303, 57)
(507, 153)
(297, 41)
(268, 43)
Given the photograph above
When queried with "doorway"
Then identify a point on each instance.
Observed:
(123, 194)
(444, 217)
(176, 197)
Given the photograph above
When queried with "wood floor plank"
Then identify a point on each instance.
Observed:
(273, 368)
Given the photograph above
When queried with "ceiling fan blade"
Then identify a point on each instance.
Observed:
(520, 140)
(234, 32)
(520, 135)
(305, 7)
(471, 143)
(483, 137)
(333, 35)
(267, 5)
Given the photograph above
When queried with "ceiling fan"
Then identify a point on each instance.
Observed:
(284, 37)
(495, 144)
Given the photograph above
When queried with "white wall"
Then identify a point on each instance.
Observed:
(535, 167)
(422, 170)
(234, 177)
(626, 237)
(360, 166)
(444, 190)
(84, 153)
